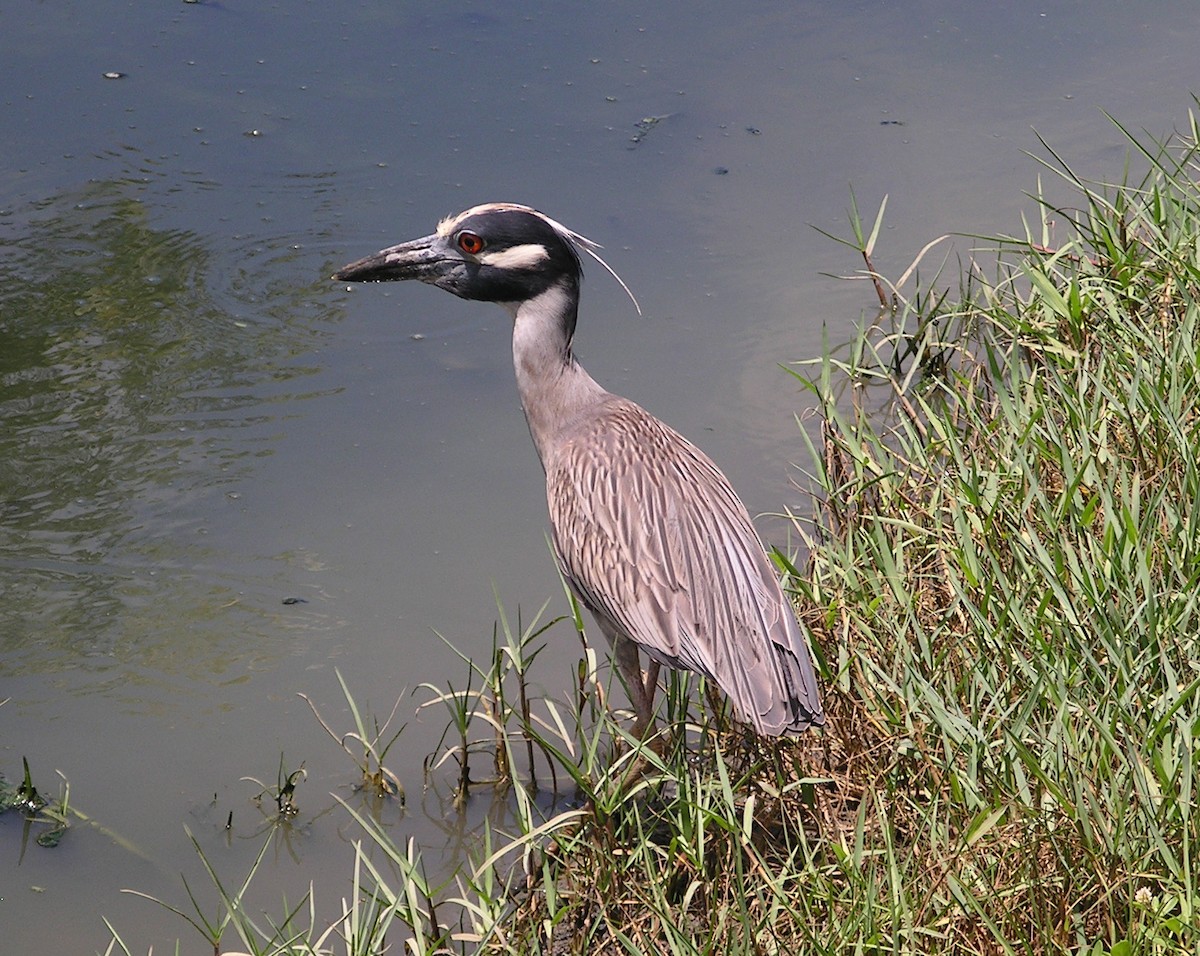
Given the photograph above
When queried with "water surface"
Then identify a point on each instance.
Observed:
(196, 425)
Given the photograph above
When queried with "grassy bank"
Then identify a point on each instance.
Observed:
(1001, 578)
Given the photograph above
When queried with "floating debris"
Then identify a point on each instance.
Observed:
(643, 127)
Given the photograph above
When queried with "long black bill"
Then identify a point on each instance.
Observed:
(409, 260)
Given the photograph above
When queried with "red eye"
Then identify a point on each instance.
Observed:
(470, 243)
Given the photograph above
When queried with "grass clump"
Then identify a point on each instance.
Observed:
(1005, 570)
(52, 816)
(367, 745)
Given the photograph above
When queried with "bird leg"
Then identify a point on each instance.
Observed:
(651, 686)
(642, 688)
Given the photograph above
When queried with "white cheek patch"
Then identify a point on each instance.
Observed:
(527, 256)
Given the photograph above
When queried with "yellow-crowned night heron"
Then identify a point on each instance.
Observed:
(649, 533)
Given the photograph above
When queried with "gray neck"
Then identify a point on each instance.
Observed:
(554, 388)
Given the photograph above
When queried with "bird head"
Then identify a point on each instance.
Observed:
(497, 252)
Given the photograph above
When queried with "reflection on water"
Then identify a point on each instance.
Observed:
(130, 397)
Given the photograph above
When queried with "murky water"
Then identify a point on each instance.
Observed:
(196, 425)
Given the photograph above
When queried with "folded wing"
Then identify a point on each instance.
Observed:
(654, 541)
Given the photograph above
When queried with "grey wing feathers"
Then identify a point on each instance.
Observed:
(653, 540)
